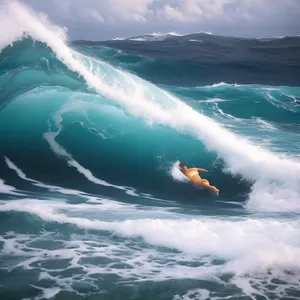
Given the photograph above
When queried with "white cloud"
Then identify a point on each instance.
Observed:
(91, 12)
(169, 15)
(202, 10)
(119, 10)
(173, 10)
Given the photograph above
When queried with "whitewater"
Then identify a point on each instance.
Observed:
(92, 199)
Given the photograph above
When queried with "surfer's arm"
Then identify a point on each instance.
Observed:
(201, 170)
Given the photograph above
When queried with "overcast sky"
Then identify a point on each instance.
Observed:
(107, 19)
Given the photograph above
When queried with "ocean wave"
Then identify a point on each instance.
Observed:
(156, 106)
(155, 36)
(138, 39)
(92, 200)
(196, 41)
(211, 250)
(207, 236)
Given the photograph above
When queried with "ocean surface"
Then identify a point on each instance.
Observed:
(92, 203)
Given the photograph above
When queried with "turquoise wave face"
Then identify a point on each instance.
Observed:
(41, 96)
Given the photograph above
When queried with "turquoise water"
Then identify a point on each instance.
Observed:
(92, 203)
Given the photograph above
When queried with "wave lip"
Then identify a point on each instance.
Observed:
(153, 37)
(196, 36)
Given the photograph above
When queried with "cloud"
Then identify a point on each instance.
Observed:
(110, 11)
(237, 17)
(130, 10)
(94, 14)
(194, 10)
(224, 10)
(171, 13)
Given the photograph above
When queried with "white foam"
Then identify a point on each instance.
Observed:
(52, 188)
(138, 39)
(144, 264)
(156, 36)
(177, 174)
(266, 125)
(221, 112)
(113, 206)
(20, 173)
(145, 100)
(118, 39)
(61, 190)
(7, 189)
(48, 293)
(253, 245)
(12, 14)
(196, 294)
(216, 85)
(162, 34)
(262, 197)
(252, 252)
(65, 191)
(196, 41)
(213, 100)
(219, 84)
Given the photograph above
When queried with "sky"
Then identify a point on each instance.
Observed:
(108, 19)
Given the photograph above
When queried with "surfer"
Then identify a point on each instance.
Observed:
(193, 175)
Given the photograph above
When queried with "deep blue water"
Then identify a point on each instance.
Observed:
(92, 203)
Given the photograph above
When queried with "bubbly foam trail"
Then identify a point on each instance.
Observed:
(234, 240)
(92, 256)
(196, 294)
(7, 189)
(52, 188)
(48, 293)
(145, 100)
(172, 33)
(60, 151)
(196, 41)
